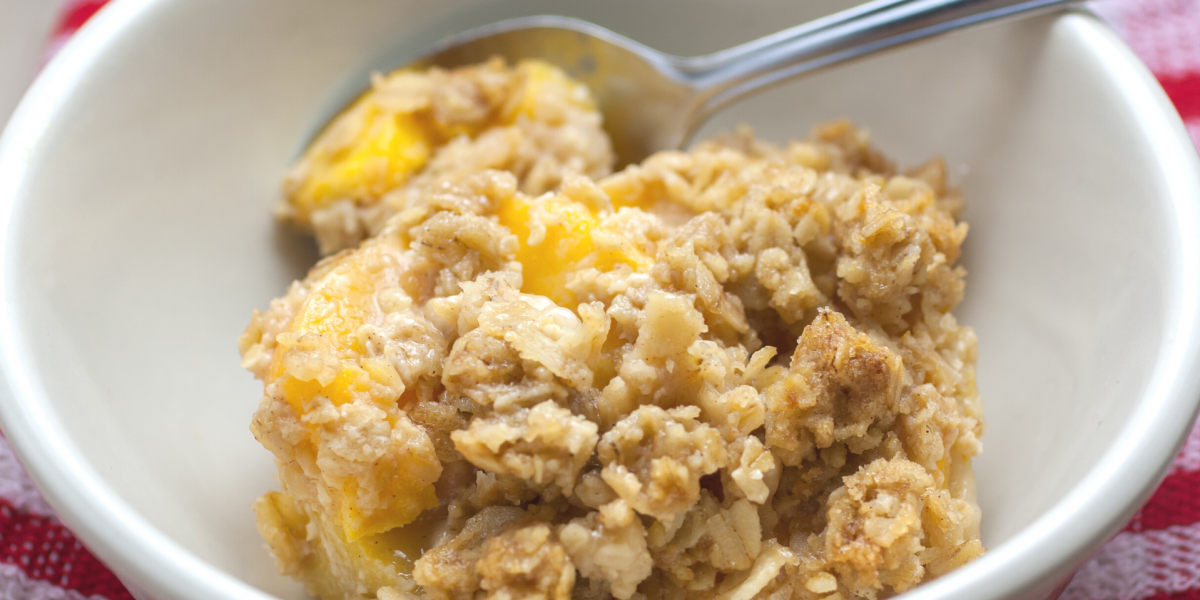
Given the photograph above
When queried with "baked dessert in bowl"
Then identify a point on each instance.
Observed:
(574, 391)
(137, 187)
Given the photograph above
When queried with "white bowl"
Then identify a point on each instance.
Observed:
(24, 28)
(137, 176)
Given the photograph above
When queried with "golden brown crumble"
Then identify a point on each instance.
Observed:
(730, 373)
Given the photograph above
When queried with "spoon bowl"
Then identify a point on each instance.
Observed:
(639, 90)
(654, 101)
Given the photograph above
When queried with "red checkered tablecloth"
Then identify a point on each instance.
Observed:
(1156, 556)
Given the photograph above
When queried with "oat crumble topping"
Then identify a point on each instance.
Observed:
(728, 373)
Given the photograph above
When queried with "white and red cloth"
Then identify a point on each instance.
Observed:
(1166, 35)
(1156, 556)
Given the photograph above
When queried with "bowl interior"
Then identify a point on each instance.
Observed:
(143, 235)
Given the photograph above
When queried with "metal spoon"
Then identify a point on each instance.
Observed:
(653, 101)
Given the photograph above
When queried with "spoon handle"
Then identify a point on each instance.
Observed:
(721, 78)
